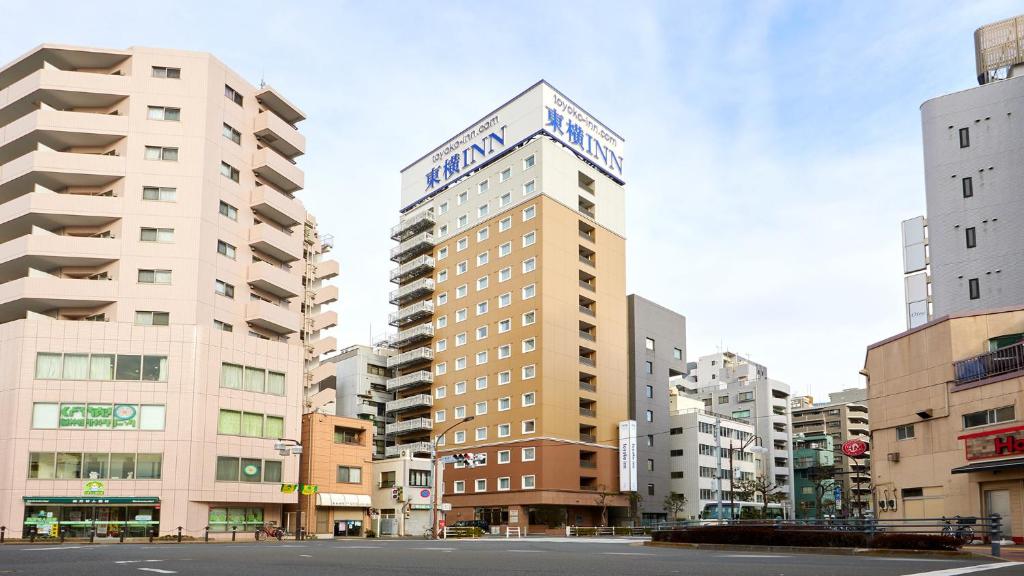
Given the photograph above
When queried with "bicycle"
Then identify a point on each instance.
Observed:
(428, 534)
(961, 530)
(268, 530)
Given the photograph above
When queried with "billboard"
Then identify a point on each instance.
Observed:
(627, 456)
(539, 109)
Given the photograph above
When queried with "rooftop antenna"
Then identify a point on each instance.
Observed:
(263, 82)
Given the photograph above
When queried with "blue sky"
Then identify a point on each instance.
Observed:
(773, 147)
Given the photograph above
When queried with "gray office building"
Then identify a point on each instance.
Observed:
(657, 355)
(362, 374)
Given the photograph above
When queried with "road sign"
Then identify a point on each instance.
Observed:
(855, 448)
(446, 459)
(837, 495)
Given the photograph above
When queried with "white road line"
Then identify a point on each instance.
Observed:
(134, 561)
(753, 556)
(158, 571)
(968, 569)
(55, 548)
(304, 556)
(626, 554)
(531, 551)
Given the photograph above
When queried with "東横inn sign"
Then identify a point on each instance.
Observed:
(994, 443)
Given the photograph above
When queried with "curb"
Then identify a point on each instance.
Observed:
(948, 554)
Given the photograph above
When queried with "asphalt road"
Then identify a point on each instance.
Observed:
(554, 557)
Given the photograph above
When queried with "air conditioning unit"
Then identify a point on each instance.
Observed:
(883, 505)
(893, 457)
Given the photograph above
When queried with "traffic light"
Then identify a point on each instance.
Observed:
(401, 493)
(469, 459)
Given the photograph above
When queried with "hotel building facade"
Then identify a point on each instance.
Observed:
(161, 293)
(512, 311)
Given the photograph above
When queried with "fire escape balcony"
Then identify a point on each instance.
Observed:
(410, 358)
(412, 224)
(412, 247)
(413, 268)
(417, 334)
(415, 401)
(411, 380)
(412, 291)
(410, 314)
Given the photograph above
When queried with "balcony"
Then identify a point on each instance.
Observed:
(42, 294)
(418, 378)
(411, 314)
(277, 207)
(411, 448)
(589, 438)
(51, 211)
(270, 278)
(587, 386)
(273, 132)
(277, 170)
(416, 401)
(275, 243)
(48, 252)
(412, 247)
(417, 334)
(409, 358)
(413, 291)
(324, 320)
(587, 285)
(279, 105)
(412, 224)
(271, 317)
(323, 372)
(325, 295)
(588, 412)
(323, 346)
(60, 89)
(60, 130)
(413, 268)
(1007, 360)
(587, 310)
(327, 269)
(56, 171)
(411, 425)
(587, 361)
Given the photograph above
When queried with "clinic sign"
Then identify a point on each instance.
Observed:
(994, 443)
(540, 109)
(627, 456)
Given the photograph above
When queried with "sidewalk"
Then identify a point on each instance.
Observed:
(1011, 553)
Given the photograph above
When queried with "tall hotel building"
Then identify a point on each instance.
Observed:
(160, 294)
(512, 311)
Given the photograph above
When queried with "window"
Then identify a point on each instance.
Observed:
(529, 399)
(529, 265)
(971, 236)
(460, 436)
(481, 357)
(419, 478)
(460, 388)
(229, 171)
(529, 317)
(461, 198)
(460, 411)
(965, 137)
(529, 426)
(483, 187)
(529, 291)
(482, 211)
(441, 369)
(481, 332)
(504, 430)
(504, 299)
(461, 291)
(529, 345)
(442, 321)
(459, 486)
(505, 224)
(650, 489)
(480, 433)
(442, 253)
(460, 339)
(650, 465)
(163, 113)
(741, 414)
(101, 367)
(460, 315)
(905, 432)
(504, 403)
(505, 175)
(231, 134)
(986, 417)
(480, 485)
(504, 325)
(164, 153)
(441, 392)
(443, 208)
(482, 258)
(442, 298)
(504, 200)
(231, 94)
(154, 276)
(228, 210)
(504, 456)
(349, 475)
(482, 234)
(529, 188)
(156, 234)
(105, 416)
(225, 249)
(249, 424)
(460, 363)
(649, 391)
(504, 351)
(677, 353)
(649, 367)
(529, 161)
(648, 416)
(159, 194)
(461, 268)
(504, 250)
(165, 72)
(912, 493)
(529, 481)
(481, 383)
(442, 231)
(744, 397)
(505, 274)
(441, 345)
(973, 289)
(442, 275)
(529, 239)
(504, 483)
(223, 288)
(149, 318)
(529, 213)
(75, 465)
(967, 186)
(649, 344)
(504, 377)
(462, 221)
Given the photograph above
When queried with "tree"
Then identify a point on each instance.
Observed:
(823, 479)
(763, 486)
(674, 504)
(602, 500)
(635, 500)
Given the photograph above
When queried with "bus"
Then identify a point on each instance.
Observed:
(733, 510)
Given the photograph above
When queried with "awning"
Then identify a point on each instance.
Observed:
(91, 500)
(343, 500)
(990, 466)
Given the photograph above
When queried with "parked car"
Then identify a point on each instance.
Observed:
(473, 524)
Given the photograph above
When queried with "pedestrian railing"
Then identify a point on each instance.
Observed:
(513, 532)
(461, 532)
(572, 531)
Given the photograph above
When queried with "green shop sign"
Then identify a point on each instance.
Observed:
(99, 416)
(94, 488)
(88, 500)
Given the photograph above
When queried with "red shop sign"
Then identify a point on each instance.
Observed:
(994, 443)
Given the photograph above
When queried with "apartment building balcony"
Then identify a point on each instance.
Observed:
(326, 295)
(418, 378)
(1006, 360)
(410, 314)
(415, 401)
(51, 211)
(405, 359)
(410, 425)
(278, 104)
(416, 334)
(59, 130)
(275, 243)
(273, 132)
(323, 372)
(46, 252)
(413, 224)
(411, 448)
(56, 171)
(324, 320)
(323, 346)
(412, 291)
(61, 90)
(412, 247)
(277, 170)
(43, 293)
(276, 206)
(327, 269)
(277, 281)
(413, 268)
(271, 317)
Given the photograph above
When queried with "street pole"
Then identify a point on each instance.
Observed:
(434, 468)
(732, 482)
(718, 457)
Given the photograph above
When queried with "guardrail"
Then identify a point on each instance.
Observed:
(607, 530)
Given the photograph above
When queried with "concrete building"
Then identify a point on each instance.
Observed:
(337, 460)
(512, 311)
(967, 254)
(402, 495)
(814, 480)
(698, 456)
(944, 399)
(657, 355)
(732, 385)
(362, 374)
(160, 293)
(844, 417)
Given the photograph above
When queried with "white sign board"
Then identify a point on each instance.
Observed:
(915, 256)
(916, 291)
(627, 456)
(539, 109)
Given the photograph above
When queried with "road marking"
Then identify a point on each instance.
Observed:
(753, 556)
(531, 551)
(158, 571)
(968, 569)
(626, 554)
(55, 548)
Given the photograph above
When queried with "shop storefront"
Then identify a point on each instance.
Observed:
(995, 469)
(77, 516)
(341, 515)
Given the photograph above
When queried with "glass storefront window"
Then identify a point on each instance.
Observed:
(41, 465)
(244, 519)
(94, 466)
(69, 465)
(122, 466)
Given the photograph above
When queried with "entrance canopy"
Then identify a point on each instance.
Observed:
(343, 500)
(1013, 463)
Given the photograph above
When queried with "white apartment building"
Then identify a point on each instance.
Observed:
(361, 375)
(402, 495)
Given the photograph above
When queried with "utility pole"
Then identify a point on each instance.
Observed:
(718, 461)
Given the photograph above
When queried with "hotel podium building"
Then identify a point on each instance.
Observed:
(161, 288)
(510, 287)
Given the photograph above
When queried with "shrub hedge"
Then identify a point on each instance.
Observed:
(771, 536)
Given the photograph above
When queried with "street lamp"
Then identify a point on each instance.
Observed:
(756, 449)
(433, 465)
(285, 447)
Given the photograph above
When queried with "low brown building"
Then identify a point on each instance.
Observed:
(944, 400)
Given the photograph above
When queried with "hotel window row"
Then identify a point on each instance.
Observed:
(527, 482)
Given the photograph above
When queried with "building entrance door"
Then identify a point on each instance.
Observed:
(998, 502)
